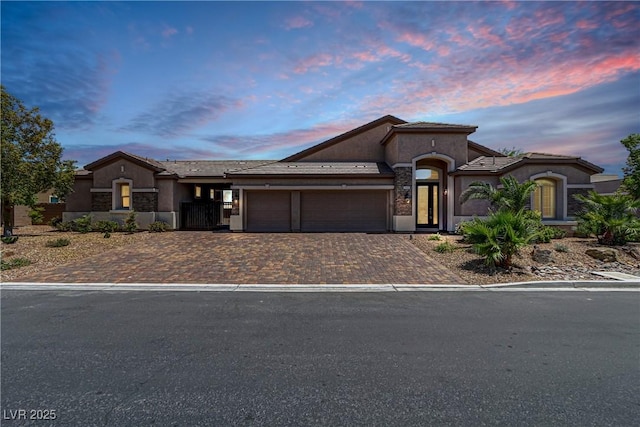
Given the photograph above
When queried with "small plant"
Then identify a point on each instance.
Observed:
(14, 263)
(106, 227)
(82, 224)
(58, 243)
(64, 226)
(561, 248)
(37, 215)
(445, 247)
(9, 240)
(130, 224)
(157, 227)
(55, 221)
(435, 237)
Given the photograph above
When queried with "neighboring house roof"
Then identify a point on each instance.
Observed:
(354, 169)
(328, 143)
(502, 164)
(209, 168)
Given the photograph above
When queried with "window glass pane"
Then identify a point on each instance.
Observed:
(125, 196)
(544, 198)
(227, 196)
(124, 190)
(430, 174)
(198, 192)
(212, 194)
(435, 204)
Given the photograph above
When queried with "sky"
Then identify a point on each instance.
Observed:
(264, 80)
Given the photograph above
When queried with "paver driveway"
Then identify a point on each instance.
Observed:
(204, 257)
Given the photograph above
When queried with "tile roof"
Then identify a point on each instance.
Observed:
(317, 168)
(432, 125)
(210, 168)
(500, 163)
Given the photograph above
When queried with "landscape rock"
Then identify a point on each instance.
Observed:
(604, 255)
(633, 252)
(543, 256)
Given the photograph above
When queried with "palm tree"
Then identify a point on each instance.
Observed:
(612, 219)
(513, 196)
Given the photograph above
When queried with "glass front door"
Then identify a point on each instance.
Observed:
(427, 206)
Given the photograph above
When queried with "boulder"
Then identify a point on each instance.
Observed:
(543, 256)
(604, 255)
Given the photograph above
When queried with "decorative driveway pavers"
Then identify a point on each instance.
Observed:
(244, 258)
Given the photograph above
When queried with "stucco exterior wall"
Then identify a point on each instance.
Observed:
(410, 146)
(471, 207)
(141, 177)
(574, 175)
(80, 199)
(364, 147)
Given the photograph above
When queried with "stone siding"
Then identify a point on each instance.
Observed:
(101, 202)
(145, 202)
(574, 206)
(403, 178)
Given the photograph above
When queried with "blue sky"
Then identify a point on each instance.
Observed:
(262, 80)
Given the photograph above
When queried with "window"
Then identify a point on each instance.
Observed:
(544, 198)
(54, 199)
(198, 192)
(125, 196)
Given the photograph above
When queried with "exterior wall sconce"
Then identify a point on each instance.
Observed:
(445, 192)
(407, 197)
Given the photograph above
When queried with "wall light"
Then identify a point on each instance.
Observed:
(446, 192)
(407, 197)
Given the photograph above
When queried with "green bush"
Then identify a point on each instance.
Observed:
(435, 237)
(58, 243)
(445, 247)
(561, 248)
(64, 226)
(37, 215)
(14, 263)
(612, 219)
(130, 224)
(9, 240)
(82, 224)
(106, 227)
(157, 227)
(55, 221)
(546, 234)
(499, 237)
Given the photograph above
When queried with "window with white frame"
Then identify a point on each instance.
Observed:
(124, 196)
(544, 198)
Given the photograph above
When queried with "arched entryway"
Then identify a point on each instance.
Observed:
(431, 188)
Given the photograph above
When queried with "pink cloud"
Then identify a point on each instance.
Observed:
(583, 24)
(297, 22)
(169, 32)
(416, 39)
(313, 62)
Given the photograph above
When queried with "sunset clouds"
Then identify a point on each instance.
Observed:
(263, 80)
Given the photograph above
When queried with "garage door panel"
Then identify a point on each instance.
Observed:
(269, 211)
(343, 211)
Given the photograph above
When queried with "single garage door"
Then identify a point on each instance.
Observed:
(347, 210)
(268, 211)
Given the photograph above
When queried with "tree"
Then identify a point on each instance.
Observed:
(613, 219)
(513, 196)
(511, 152)
(631, 181)
(31, 158)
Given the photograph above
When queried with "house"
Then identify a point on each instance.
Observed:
(50, 204)
(387, 175)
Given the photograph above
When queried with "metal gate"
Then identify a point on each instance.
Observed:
(203, 215)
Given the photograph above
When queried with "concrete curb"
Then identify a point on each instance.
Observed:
(599, 286)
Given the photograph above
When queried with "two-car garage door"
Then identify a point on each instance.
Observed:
(321, 210)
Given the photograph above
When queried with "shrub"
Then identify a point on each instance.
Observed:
(14, 263)
(64, 226)
(157, 227)
(130, 224)
(37, 215)
(106, 227)
(82, 224)
(546, 234)
(561, 248)
(499, 237)
(435, 237)
(58, 243)
(9, 240)
(612, 219)
(55, 221)
(445, 247)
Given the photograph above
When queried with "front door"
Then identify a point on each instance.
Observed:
(428, 205)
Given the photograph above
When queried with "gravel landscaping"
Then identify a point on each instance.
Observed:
(569, 258)
(570, 261)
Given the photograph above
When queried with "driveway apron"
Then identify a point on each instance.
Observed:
(264, 258)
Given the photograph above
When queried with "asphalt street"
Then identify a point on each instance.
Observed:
(215, 358)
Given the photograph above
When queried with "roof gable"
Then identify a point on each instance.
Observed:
(343, 137)
(141, 161)
(502, 164)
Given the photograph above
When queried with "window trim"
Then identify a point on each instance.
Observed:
(116, 194)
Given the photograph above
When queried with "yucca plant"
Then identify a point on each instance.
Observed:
(613, 219)
(499, 237)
